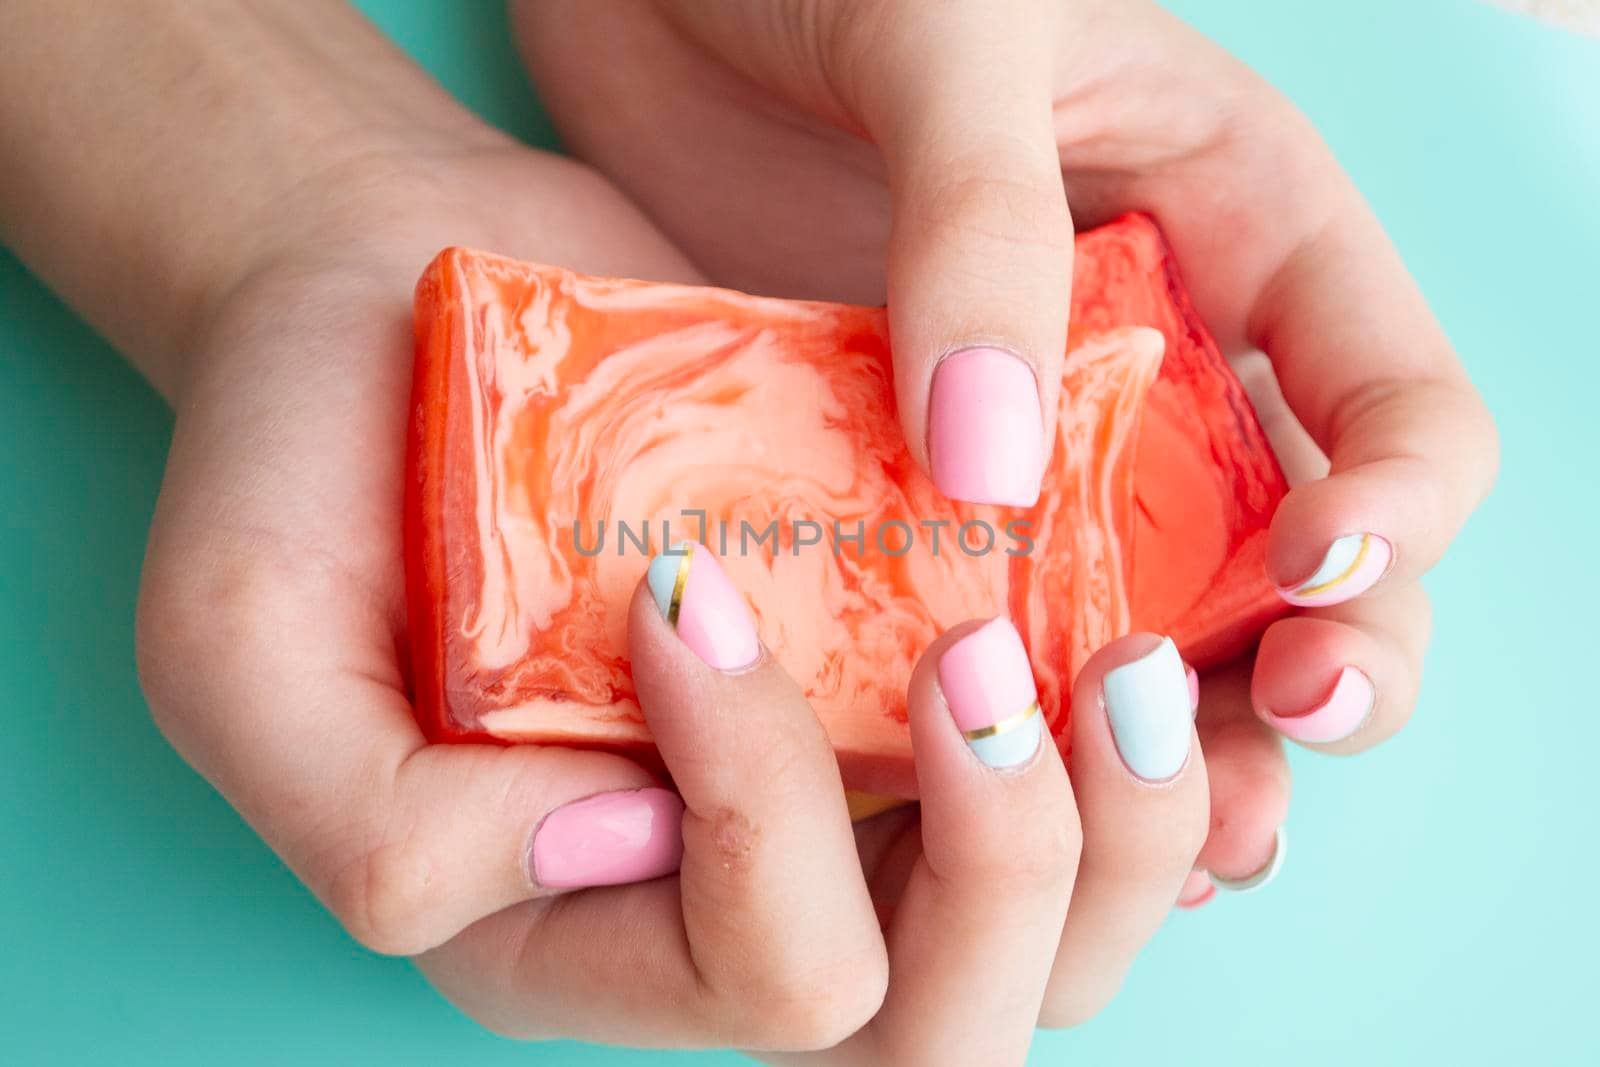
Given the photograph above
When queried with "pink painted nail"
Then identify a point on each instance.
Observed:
(1344, 711)
(988, 684)
(708, 613)
(985, 428)
(1197, 890)
(609, 839)
(1352, 565)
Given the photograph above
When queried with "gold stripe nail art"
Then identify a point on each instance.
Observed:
(1361, 554)
(682, 579)
(1006, 725)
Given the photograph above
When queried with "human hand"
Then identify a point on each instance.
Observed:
(251, 243)
(272, 614)
(769, 936)
(272, 611)
(273, 607)
(251, 250)
(927, 154)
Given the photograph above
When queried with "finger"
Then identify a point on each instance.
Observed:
(1141, 785)
(980, 254)
(1249, 773)
(774, 903)
(957, 97)
(299, 719)
(1198, 890)
(1346, 677)
(1370, 374)
(1302, 688)
(1250, 783)
(767, 939)
(971, 942)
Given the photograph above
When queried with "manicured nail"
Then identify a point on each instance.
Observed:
(988, 683)
(1352, 565)
(1197, 890)
(985, 428)
(708, 613)
(1148, 704)
(609, 839)
(1345, 711)
(1269, 871)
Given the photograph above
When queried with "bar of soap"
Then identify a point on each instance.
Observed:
(565, 428)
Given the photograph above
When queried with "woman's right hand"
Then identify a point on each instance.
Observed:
(769, 937)
(925, 155)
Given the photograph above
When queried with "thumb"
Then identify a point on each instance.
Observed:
(980, 254)
(957, 97)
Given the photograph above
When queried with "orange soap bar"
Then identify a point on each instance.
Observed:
(565, 427)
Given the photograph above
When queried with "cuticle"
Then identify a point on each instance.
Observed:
(763, 657)
(1168, 783)
(1016, 770)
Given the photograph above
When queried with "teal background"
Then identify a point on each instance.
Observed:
(1438, 901)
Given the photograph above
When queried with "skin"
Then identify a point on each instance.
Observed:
(249, 233)
(938, 156)
(973, 900)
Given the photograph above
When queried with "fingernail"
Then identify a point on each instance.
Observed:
(1147, 702)
(1259, 880)
(699, 602)
(1352, 565)
(1344, 711)
(609, 839)
(985, 428)
(1197, 890)
(988, 684)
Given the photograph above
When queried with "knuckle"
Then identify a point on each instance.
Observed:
(1037, 857)
(197, 611)
(1000, 202)
(814, 1008)
(188, 626)
(386, 899)
(1050, 858)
